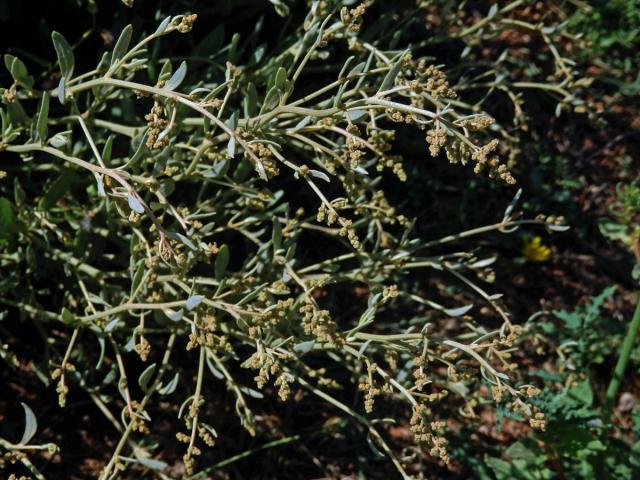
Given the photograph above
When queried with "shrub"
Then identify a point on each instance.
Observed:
(170, 221)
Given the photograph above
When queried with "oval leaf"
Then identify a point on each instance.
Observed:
(163, 26)
(66, 59)
(122, 45)
(193, 301)
(173, 315)
(145, 377)
(177, 77)
(135, 204)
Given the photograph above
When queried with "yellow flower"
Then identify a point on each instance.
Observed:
(534, 251)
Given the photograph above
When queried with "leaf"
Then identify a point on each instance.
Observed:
(137, 277)
(558, 228)
(67, 317)
(7, 218)
(320, 175)
(174, 316)
(355, 115)
(210, 44)
(106, 150)
(281, 8)
(163, 26)
(66, 59)
(60, 139)
(357, 70)
(276, 235)
(180, 237)
(122, 45)
(177, 77)
(18, 70)
(210, 429)
(456, 312)
(140, 150)
(193, 301)
(57, 189)
(251, 101)
(280, 78)
(391, 75)
(231, 146)
(31, 425)
(222, 262)
(509, 210)
(170, 387)
(271, 100)
(581, 392)
(43, 117)
(61, 90)
(135, 204)
(152, 463)
(304, 347)
(251, 392)
(145, 376)
(492, 11)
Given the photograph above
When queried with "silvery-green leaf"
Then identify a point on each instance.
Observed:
(59, 139)
(483, 263)
(163, 26)
(153, 464)
(558, 228)
(66, 59)
(276, 234)
(251, 392)
(355, 115)
(231, 147)
(304, 347)
(106, 150)
(173, 315)
(210, 429)
(137, 278)
(320, 175)
(302, 123)
(111, 326)
(193, 301)
(180, 237)
(512, 205)
(18, 70)
(391, 75)
(122, 45)
(280, 78)
(135, 204)
(145, 376)
(100, 183)
(177, 77)
(456, 312)
(222, 261)
(170, 387)
(31, 425)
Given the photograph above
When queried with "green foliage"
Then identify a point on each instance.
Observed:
(577, 440)
(609, 24)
